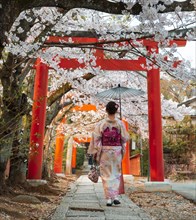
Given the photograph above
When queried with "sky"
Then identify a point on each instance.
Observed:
(189, 52)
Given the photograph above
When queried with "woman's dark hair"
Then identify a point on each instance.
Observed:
(111, 108)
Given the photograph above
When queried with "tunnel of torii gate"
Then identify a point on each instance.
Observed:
(154, 101)
(71, 150)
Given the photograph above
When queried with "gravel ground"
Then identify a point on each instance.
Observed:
(162, 205)
(50, 196)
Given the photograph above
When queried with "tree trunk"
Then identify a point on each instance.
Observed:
(17, 171)
(13, 108)
(5, 152)
(18, 160)
(9, 11)
(2, 175)
(47, 161)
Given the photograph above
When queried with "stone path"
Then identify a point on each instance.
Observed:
(85, 200)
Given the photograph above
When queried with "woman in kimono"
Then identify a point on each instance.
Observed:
(108, 148)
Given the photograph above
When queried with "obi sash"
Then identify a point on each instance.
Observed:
(111, 137)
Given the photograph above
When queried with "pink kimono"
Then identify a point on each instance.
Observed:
(109, 154)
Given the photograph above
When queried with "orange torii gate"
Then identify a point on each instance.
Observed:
(58, 157)
(154, 102)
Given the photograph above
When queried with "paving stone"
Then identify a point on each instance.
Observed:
(100, 195)
(87, 214)
(86, 206)
(85, 218)
(117, 217)
(84, 197)
(84, 187)
(83, 201)
(143, 215)
(98, 188)
(117, 211)
(99, 191)
(82, 191)
(67, 199)
(84, 184)
(60, 213)
(85, 194)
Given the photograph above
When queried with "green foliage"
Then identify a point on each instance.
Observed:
(179, 141)
(145, 154)
(80, 157)
(69, 121)
(178, 146)
(145, 162)
(178, 177)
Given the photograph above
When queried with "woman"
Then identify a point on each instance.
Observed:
(108, 147)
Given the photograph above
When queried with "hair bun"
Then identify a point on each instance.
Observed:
(111, 107)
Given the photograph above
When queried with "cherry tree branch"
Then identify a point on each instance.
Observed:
(64, 89)
(104, 5)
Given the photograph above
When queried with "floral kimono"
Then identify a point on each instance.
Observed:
(109, 154)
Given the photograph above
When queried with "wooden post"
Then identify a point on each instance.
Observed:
(74, 153)
(38, 121)
(69, 156)
(58, 157)
(126, 159)
(155, 123)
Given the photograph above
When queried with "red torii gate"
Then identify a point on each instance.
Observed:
(154, 103)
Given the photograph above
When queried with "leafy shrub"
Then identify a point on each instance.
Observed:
(80, 155)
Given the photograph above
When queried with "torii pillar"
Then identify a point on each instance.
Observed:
(38, 121)
(68, 170)
(126, 159)
(58, 158)
(58, 155)
(155, 122)
(74, 157)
